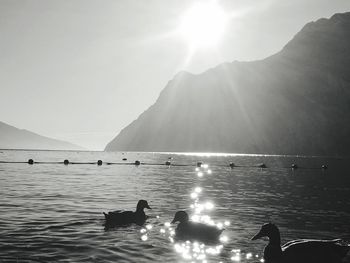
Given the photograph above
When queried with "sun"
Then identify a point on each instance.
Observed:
(203, 24)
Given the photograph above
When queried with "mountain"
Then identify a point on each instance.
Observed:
(294, 102)
(14, 138)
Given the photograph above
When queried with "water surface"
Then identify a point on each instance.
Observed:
(53, 212)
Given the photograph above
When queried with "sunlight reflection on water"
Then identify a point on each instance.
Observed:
(196, 251)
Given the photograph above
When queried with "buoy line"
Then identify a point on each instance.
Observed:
(199, 164)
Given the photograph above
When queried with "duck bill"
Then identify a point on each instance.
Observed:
(148, 207)
(257, 236)
(174, 221)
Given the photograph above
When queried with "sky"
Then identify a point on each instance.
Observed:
(82, 70)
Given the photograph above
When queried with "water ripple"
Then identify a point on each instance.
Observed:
(51, 213)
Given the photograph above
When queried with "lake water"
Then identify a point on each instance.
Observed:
(53, 212)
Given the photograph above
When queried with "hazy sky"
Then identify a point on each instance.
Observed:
(81, 70)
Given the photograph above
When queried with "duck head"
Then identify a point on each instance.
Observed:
(142, 204)
(180, 216)
(268, 230)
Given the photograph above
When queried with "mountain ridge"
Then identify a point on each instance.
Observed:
(292, 102)
(12, 137)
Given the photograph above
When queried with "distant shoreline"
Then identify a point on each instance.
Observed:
(199, 154)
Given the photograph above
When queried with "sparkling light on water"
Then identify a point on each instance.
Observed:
(196, 251)
(223, 239)
(237, 255)
(194, 195)
(198, 190)
(209, 205)
(195, 218)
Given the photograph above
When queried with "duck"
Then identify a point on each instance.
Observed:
(301, 250)
(190, 230)
(120, 218)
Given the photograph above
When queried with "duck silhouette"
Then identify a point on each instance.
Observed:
(190, 230)
(302, 250)
(120, 218)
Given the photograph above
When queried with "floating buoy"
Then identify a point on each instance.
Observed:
(30, 161)
(167, 163)
(137, 162)
(99, 162)
(66, 162)
(124, 159)
(262, 165)
(199, 164)
(324, 167)
(294, 166)
(232, 165)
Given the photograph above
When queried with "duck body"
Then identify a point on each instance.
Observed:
(197, 231)
(120, 218)
(189, 230)
(302, 250)
(309, 250)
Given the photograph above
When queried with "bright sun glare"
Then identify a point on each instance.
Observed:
(203, 24)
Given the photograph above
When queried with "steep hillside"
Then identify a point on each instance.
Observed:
(294, 102)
